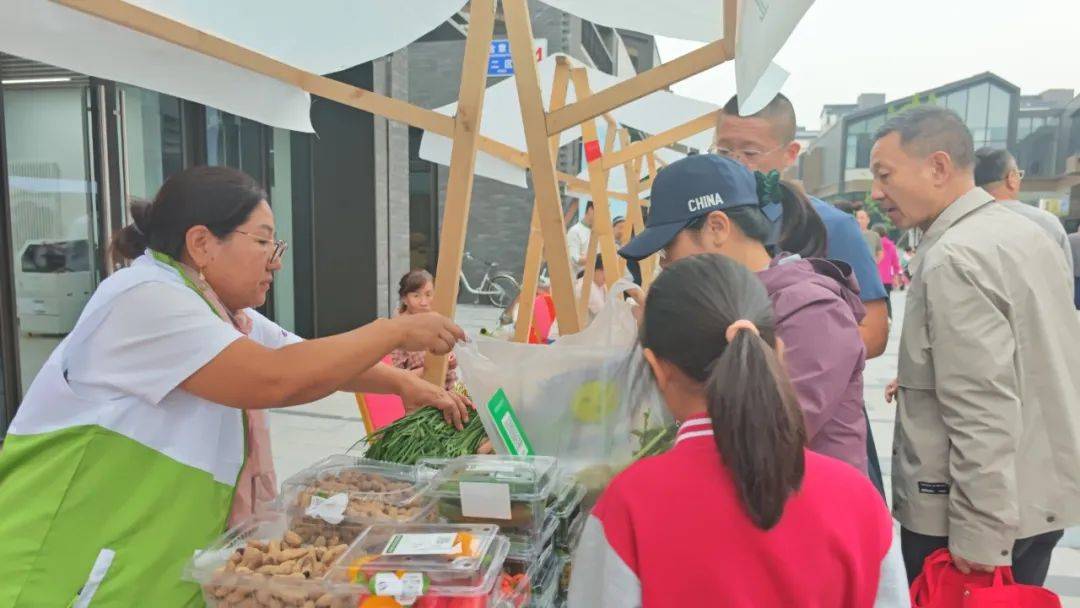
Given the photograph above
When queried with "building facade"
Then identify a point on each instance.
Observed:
(1042, 131)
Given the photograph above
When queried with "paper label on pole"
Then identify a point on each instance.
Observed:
(592, 151)
(421, 544)
(509, 426)
(331, 510)
(485, 500)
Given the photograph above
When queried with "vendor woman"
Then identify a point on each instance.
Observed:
(146, 422)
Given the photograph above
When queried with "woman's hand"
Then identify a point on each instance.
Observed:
(417, 393)
(427, 331)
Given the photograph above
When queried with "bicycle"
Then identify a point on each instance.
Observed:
(500, 288)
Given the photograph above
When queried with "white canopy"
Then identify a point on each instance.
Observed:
(340, 34)
(764, 27)
(501, 121)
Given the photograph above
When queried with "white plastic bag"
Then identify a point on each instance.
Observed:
(578, 399)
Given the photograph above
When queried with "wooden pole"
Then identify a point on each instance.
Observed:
(545, 185)
(598, 179)
(587, 278)
(535, 249)
(661, 140)
(649, 81)
(462, 161)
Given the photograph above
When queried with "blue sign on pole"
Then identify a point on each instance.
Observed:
(499, 61)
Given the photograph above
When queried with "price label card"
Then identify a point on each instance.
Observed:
(487, 500)
(422, 544)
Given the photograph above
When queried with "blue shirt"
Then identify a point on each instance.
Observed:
(846, 244)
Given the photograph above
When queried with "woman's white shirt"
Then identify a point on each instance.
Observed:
(155, 336)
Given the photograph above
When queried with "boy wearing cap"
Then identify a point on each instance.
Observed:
(710, 204)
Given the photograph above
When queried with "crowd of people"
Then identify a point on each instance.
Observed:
(757, 332)
(758, 341)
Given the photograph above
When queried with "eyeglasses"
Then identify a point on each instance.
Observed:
(744, 153)
(1020, 173)
(279, 246)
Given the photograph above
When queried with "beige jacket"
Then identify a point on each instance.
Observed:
(987, 446)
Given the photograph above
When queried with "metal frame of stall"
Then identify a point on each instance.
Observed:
(549, 232)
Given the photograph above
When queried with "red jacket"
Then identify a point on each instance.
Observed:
(671, 531)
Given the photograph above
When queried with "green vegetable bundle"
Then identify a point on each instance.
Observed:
(655, 440)
(424, 434)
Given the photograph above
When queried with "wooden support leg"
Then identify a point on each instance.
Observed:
(542, 163)
(535, 248)
(462, 162)
(587, 279)
(598, 180)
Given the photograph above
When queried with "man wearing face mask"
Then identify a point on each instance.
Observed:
(987, 450)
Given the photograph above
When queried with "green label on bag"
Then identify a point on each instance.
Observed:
(508, 425)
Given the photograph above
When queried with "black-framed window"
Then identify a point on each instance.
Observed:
(423, 207)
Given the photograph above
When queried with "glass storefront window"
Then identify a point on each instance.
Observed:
(978, 99)
(152, 140)
(957, 102)
(997, 119)
(53, 214)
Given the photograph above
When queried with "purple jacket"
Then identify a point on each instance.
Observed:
(817, 308)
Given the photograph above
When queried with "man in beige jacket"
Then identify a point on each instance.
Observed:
(986, 458)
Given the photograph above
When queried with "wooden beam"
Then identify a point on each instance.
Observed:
(587, 278)
(660, 140)
(535, 248)
(649, 81)
(731, 24)
(545, 184)
(462, 164)
(598, 179)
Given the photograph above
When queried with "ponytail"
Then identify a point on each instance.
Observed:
(757, 426)
(712, 318)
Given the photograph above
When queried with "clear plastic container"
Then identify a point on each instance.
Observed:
(261, 563)
(353, 579)
(445, 552)
(519, 565)
(567, 508)
(365, 481)
(532, 546)
(546, 588)
(311, 529)
(530, 482)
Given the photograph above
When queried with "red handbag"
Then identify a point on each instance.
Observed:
(941, 585)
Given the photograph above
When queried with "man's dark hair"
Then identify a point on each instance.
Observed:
(992, 165)
(780, 114)
(930, 129)
(588, 205)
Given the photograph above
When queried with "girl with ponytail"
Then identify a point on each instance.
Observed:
(739, 512)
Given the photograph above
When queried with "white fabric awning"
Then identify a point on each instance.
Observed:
(501, 121)
(764, 26)
(342, 34)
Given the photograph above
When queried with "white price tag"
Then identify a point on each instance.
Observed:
(331, 510)
(405, 589)
(485, 499)
(421, 544)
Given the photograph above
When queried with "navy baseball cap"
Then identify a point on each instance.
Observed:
(687, 189)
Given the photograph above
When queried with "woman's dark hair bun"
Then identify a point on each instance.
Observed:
(219, 198)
